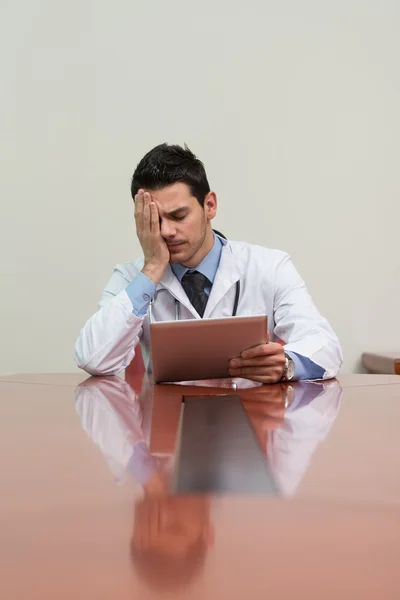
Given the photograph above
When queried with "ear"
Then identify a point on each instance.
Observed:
(210, 205)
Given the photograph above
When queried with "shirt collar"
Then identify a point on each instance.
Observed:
(208, 266)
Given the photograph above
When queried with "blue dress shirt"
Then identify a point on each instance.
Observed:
(208, 266)
(141, 291)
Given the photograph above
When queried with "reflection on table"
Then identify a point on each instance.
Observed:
(172, 533)
(289, 422)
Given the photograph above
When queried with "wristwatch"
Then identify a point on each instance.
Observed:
(288, 369)
(288, 396)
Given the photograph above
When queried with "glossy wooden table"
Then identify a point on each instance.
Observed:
(75, 524)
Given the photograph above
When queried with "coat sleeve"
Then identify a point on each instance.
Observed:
(106, 344)
(298, 322)
(111, 415)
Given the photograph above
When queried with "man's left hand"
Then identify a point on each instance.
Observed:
(264, 363)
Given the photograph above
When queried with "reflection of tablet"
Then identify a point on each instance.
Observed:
(201, 348)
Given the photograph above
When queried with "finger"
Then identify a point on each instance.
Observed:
(154, 218)
(270, 397)
(271, 372)
(137, 534)
(154, 521)
(139, 208)
(141, 527)
(263, 350)
(146, 212)
(243, 371)
(139, 201)
(273, 360)
(273, 411)
(266, 408)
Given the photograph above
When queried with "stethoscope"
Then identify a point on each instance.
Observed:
(177, 303)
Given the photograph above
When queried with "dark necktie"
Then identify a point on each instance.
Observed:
(194, 283)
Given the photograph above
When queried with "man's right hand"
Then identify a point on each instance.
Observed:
(155, 250)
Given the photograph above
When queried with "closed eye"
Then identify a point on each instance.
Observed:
(178, 214)
(175, 218)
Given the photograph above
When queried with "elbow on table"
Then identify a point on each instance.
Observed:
(98, 366)
(335, 361)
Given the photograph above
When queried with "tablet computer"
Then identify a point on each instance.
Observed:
(201, 348)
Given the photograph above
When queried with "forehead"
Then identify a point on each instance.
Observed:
(173, 196)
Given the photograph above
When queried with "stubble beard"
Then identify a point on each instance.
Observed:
(194, 248)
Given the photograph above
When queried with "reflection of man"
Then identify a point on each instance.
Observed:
(189, 272)
(265, 408)
(306, 425)
(171, 534)
(116, 420)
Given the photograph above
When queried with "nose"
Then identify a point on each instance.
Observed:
(167, 229)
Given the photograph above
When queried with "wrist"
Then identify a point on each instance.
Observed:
(153, 272)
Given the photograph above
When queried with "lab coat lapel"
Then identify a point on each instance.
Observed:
(171, 283)
(229, 272)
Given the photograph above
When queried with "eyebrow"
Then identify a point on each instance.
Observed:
(177, 212)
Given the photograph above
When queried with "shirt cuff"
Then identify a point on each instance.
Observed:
(141, 465)
(140, 292)
(304, 368)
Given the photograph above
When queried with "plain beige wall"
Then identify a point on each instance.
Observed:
(293, 107)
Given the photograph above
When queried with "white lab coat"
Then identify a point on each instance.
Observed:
(269, 284)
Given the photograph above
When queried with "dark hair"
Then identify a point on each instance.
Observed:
(168, 573)
(168, 164)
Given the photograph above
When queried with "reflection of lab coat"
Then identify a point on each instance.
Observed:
(269, 284)
(307, 422)
(113, 416)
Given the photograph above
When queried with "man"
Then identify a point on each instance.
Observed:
(190, 272)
